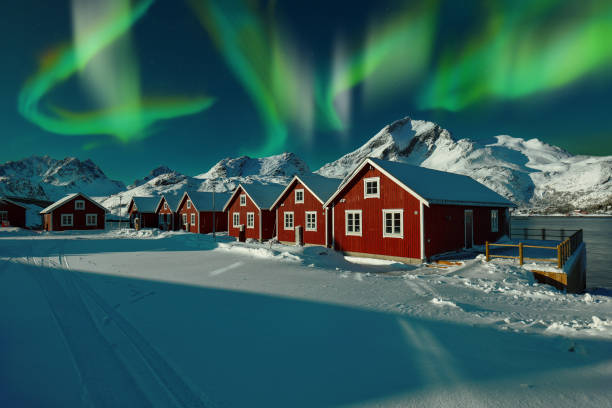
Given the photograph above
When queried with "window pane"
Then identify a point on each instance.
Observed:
(357, 223)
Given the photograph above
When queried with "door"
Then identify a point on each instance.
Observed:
(469, 228)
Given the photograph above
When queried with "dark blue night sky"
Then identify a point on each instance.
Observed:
(133, 85)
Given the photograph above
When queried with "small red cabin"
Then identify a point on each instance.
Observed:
(12, 214)
(142, 210)
(167, 212)
(197, 210)
(74, 212)
(396, 211)
(302, 218)
(250, 206)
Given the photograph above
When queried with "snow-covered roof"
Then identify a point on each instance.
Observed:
(203, 200)
(263, 195)
(173, 201)
(436, 187)
(145, 204)
(69, 197)
(322, 187)
(6, 200)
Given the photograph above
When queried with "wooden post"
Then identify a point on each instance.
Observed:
(521, 253)
(543, 234)
(487, 250)
(559, 256)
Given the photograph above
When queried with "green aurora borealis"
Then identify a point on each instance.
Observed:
(307, 75)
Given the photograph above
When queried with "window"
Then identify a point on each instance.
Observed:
(242, 200)
(3, 216)
(393, 223)
(236, 219)
(494, 221)
(353, 222)
(289, 220)
(250, 220)
(311, 220)
(188, 203)
(299, 196)
(162, 217)
(66, 220)
(91, 219)
(165, 206)
(371, 188)
(192, 219)
(184, 219)
(168, 219)
(79, 205)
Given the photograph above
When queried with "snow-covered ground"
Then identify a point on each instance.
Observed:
(122, 318)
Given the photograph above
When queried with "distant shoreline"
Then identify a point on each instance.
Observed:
(563, 216)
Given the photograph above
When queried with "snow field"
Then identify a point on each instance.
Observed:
(150, 318)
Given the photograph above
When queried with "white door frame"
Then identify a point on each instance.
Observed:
(465, 213)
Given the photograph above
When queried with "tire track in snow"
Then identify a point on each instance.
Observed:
(105, 380)
(165, 373)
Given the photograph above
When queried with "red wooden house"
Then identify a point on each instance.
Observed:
(12, 214)
(167, 212)
(142, 212)
(396, 211)
(301, 216)
(250, 206)
(198, 209)
(74, 212)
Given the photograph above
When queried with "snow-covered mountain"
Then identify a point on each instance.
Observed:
(50, 179)
(223, 176)
(529, 172)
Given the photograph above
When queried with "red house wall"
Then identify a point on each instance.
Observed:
(392, 196)
(147, 220)
(249, 207)
(184, 210)
(79, 216)
(288, 204)
(268, 218)
(16, 214)
(174, 217)
(445, 227)
(206, 221)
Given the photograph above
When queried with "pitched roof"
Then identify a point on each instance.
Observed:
(263, 195)
(322, 187)
(146, 204)
(7, 200)
(203, 200)
(67, 198)
(173, 201)
(437, 187)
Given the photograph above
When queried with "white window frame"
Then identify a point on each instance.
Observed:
(242, 200)
(184, 219)
(193, 219)
(188, 204)
(285, 227)
(494, 217)
(89, 224)
(308, 228)
(165, 206)
(346, 230)
(384, 223)
(62, 224)
(236, 220)
(299, 190)
(250, 220)
(76, 204)
(365, 187)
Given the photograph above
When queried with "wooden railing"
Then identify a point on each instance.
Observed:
(564, 250)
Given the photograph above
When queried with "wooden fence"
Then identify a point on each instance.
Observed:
(564, 250)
